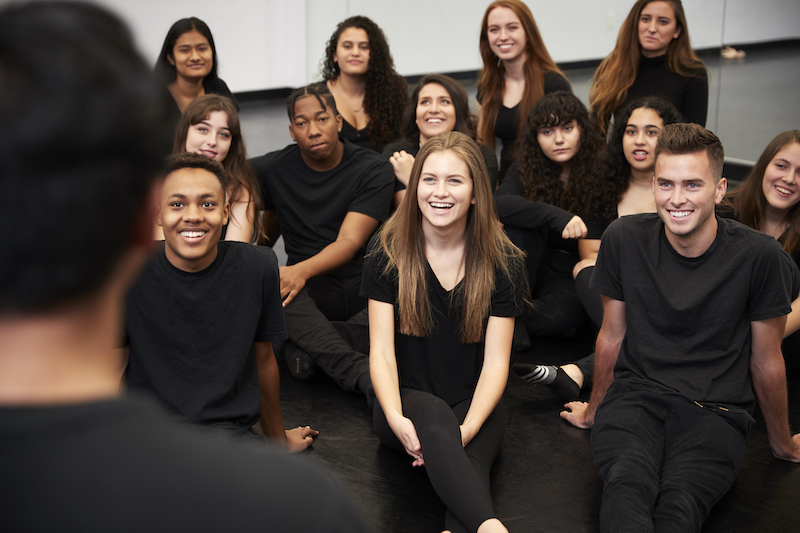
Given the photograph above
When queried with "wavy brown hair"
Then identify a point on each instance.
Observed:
(488, 249)
(540, 176)
(466, 121)
(241, 176)
(618, 71)
(600, 193)
(492, 78)
(748, 200)
(386, 91)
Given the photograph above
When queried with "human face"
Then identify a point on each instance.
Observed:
(435, 112)
(506, 34)
(781, 182)
(352, 52)
(685, 194)
(560, 143)
(192, 212)
(639, 139)
(192, 55)
(210, 137)
(444, 192)
(315, 129)
(657, 28)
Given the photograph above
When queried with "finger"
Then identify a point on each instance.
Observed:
(289, 297)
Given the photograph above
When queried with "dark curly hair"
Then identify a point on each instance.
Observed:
(466, 121)
(539, 175)
(601, 192)
(386, 91)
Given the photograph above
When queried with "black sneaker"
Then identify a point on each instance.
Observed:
(300, 363)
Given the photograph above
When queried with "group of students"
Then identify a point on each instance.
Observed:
(400, 282)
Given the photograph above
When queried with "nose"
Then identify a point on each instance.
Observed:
(211, 140)
(559, 138)
(195, 55)
(441, 188)
(503, 34)
(640, 139)
(652, 26)
(313, 129)
(192, 213)
(677, 197)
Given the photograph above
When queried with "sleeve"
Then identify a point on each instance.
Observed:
(490, 157)
(606, 277)
(508, 297)
(217, 86)
(772, 281)
(695, 103)
(375, 284)
(377, 184)
(553, 81)
(514, 210)
(596, 225)
(271, 324)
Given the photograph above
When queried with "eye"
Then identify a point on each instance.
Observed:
(425, 101)
(299, 123)
(630, 131)
(663, 22)
(428, 179)
(692, 185)
(322, 120)
(364, 46)
(202, 129)
(568, 127)
(208, 205)
(545, 131)
(225, 135)
(176, 204)
(446, 101)
(653, 132)
(456, 181)
(645, 18)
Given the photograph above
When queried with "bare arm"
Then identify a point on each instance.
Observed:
(271, 421)
(588, 250)
(609, 341)
(493, 377)
(768, 373)
(385, 380)
(242, 218)
(353, 234)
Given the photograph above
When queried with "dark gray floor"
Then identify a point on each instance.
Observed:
(544, 479)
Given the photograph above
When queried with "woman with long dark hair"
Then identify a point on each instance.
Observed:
(359, 72)
(653, 56)
(517, 71)
(443, 283)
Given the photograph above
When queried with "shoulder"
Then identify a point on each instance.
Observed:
(277, 160)
(396, 146)
(368, 163)
(250, 255)
(634, 225)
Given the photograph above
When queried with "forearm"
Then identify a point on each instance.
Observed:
(240, 224)
(270, 420)
(769, 383)
(336, 254)
(522, 213)
(606, 353)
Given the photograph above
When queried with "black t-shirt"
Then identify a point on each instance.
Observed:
(312, 205)
(191, 334)
(688, 319)
(689, 95)
(440, 364)
(516, 210)
(210, 86)
(489, 157)
(123, 465)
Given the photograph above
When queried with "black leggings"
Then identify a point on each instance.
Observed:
(460, 476)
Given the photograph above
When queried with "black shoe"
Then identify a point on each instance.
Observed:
(300, 363)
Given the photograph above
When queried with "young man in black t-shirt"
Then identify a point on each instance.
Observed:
(694, 311)
(325, 196)
(84, 135)
(201, 318)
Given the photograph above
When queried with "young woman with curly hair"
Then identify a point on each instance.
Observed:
(210, 126)
(624, 188)
(438, 104)
(517, 71)
(560, 147)
(359, 72)
(444, 285)
(653, 56)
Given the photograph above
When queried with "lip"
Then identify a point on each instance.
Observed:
(673, 215)
(191, 239)
(317, 146)
(783, 192)
(640, 155)
(209, 153)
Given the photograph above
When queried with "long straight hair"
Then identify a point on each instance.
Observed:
(240, 174)
(488, 250)
(166, 71)
(618, 71)
(492, 78)
(748, 200)
(465, 119)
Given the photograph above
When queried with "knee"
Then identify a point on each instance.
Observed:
(436, 422)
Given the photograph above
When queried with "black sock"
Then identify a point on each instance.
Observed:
(552, 376)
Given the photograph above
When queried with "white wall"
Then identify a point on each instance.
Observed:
(266, 44)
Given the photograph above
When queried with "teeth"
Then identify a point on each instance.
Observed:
(441, 205)
(435, 121)
(783, 191)
(191, 234)
(505, 46)
(680, 214)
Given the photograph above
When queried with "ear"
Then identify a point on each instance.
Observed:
(291, 133)
(677, 33)
(339, 123)
(171, 59)
(722, 188)
(226, 211)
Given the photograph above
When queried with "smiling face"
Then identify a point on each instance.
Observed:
(192, 212)
(352, 52)
(315, 129)
(639, 138)
(210, 137)
(435, 112)
(686, 194)
(657, 28)
(444, 193)
(192, 55)
(560, 143)
(506, 34)
(781, 182)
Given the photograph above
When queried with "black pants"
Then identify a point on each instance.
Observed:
(311, 330)
(459, 475)
(664, 460)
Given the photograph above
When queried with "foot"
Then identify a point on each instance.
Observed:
(554, 377)
(301, 365)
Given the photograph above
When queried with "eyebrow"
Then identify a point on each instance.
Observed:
(316, 114)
